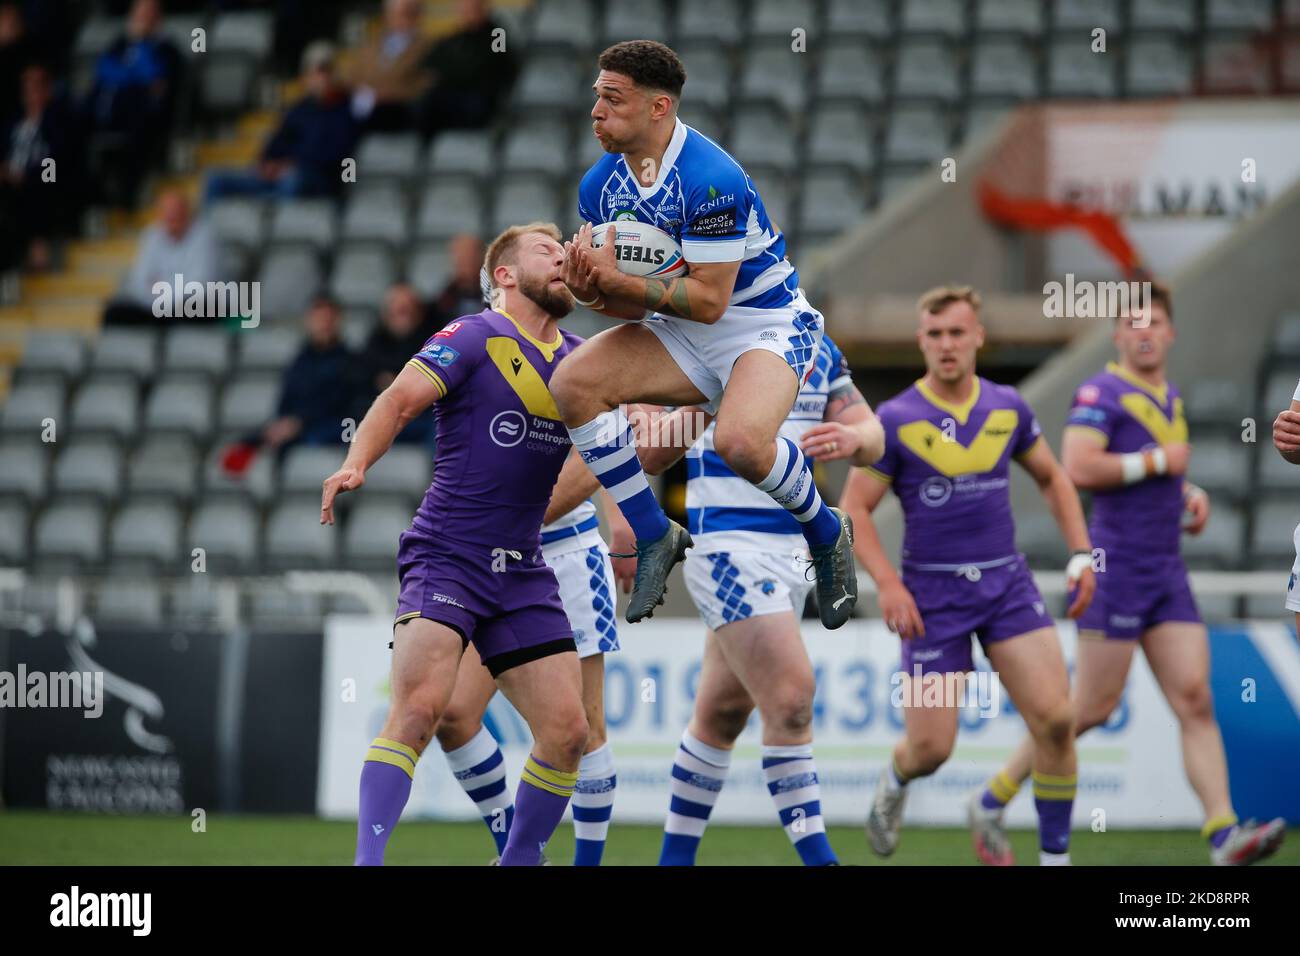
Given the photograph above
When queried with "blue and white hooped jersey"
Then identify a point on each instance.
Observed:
(724, 512)
(705, 200)
(579, 529)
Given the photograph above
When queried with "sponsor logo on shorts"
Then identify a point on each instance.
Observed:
(935, 491)
(769, 335)
(508, 428)
(766, 585)
(1125, 620)
(446, 599)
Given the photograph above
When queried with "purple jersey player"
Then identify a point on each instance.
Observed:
(949, 443)
(470, 565)
(1126, 442)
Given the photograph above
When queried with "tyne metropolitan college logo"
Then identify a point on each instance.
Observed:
(508, 428)
(935, 491)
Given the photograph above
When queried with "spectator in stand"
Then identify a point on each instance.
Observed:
(174, 245)
(463, 294)
(401, 333)
(388, 73)
(40, 184)
(16, 52)
(304, 156)
(317, 391)
(472, 73)
(129, 107)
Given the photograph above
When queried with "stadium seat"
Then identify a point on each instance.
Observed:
(256, 484)
(306, 466)
(51, 352)
(985, 113)
(273, 608)
(1212, 402)
(1081, 17)
(841, 136)
(227, 83)
(564, 23)
(15, 526)
(31, 405)
(719, 21)
(532, 201)
(239, 220)
(180, 404)
(897, 180)
(248, 402)
(245, 31)
(1024, 17)
(1238, 14)
(773, 73)
(535, 147)
(1279, 389)
(147, 531)
(635, 20)
(164, 465)
(130, 351)
(1170, 16)
(450, 206)
(1233, 65)
(371, 533)
(266, 347)
(850, 71)
(24, 469)
(405, 470)
(196, 350)
(96, 34)
(134, 602)
(388, 156)
(927, 69)
(917, 134)
(294, 536)
(1275, 472)
(1285, 344)
(1220, 465)
(947, 17)
(1272, 538)
(356, 326)
(708, 76)
(289, 278)
(460, 151)
(377, 215)
(704, 119)
(778, 199)
(362, 275)
(777, 19)
(312, 221)
(89, 466)
(1158, 67)
(549, 83)
(227, 533)
(859, 18)
(1004, 67)
(764, 137)
(106, 405)
(1073, 70)
(1219, 545)
(428, 269)
(832, 200)
(70, 532)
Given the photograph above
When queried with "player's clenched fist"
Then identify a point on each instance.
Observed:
(1079, 581)
(345, 479)
(898, 608)
(1286, 432)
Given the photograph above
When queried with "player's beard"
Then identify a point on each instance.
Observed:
(555, 302)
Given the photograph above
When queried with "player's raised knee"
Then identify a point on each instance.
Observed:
(749, 453)
(578, 388)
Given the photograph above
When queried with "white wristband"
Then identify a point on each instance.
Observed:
(1161, 460)
(587, 304)
(1134, 466)
(1077, 564)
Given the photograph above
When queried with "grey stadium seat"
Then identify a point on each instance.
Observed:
(1038, 536)
(388, 155)
(255, 484)
(449, 207)
(1286, 336)
(96, 34)
(428, 269)
(777, 193)
(377, 215)
(304, 220)
(535, 147)
(164, 465)
(981, 114)
(1231, 65)
(15, 526)
(1083, 16)
(1278, 392)
(227, 533)
(239, 220)
(1158, 66)
(248, 402)
(295, 538)
(196, 350)
(1074, 70)
(1004, 67)
(773, 73)
(63, 353)
(916, 134)
(404, 470)
(1238, 14)
(31, 404)
(133, 351)
(1272, 539)
(927, 69)
(147, 530)
(532, 201)
(70, 531)
(130, 601)
(370, 538)
(1172, 16)
(89, 466)
(226, 82)
(361, 276)
(850, 71)
(775, 19)
(764, 137)
(305, 467)
(183, 404)
(933, 16)
(700, 117)
(242, 32)
(856, 18)
(635, 20)
(289, 279)
(1212, 402)
(1220, 466)
(708, 75)
(566, 23)
(549, 83)
(111, 405)
(1275, 472)
(1219, 545)
(266, 347)
(460, 151)
(832, 200)
(718, 20)
(24, 468)
(840, 135)
(1024, 17)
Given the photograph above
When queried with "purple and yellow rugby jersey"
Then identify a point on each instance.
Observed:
(950, 466)
(501, 442)
(1126, 414)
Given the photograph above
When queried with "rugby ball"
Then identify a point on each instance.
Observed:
(642, 250)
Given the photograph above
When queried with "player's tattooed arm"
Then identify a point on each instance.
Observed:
(668, 297)
(701, 295)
